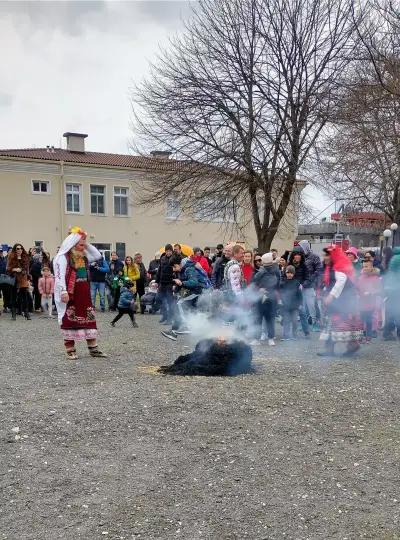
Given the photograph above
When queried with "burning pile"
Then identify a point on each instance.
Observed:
(213, 357)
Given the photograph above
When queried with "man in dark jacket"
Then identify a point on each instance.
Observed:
(98, 271)
(219, 251)
(297, 259)
(165, 280)
(314, 269)
(116, 265)
(154, 266)
(217, 276)
(291, 300)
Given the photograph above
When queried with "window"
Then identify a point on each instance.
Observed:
(121, 250)
(173, 208)
(40, 186)
(105, 250)
(97, 199)
(120, 201)
(73, 198)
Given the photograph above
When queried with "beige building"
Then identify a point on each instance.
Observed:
(44, 191)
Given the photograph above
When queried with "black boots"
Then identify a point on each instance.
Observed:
(27, 316)
(13, 314)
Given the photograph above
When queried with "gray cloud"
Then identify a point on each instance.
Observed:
(76, 62)
(78, 18)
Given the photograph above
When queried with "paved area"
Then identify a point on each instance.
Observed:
(306, 448)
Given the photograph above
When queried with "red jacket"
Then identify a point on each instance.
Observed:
(204, 263)
(248, 271)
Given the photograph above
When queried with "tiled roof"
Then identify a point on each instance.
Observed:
(95, 158)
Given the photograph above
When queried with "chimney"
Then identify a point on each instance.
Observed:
(75, 142)
(161, 154)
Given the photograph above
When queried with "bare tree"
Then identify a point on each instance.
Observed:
(241, 99)
(378, 26)
(361, 157)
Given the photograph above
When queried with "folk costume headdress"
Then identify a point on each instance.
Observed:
(339, 263)
(75, 234)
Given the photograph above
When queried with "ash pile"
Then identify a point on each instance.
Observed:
(213, 357)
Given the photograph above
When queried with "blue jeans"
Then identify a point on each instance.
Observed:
(166, 298)
(101, 287)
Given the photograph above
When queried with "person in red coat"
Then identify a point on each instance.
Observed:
(198, 256)
(248, 267)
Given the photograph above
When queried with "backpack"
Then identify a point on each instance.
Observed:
(205, 282)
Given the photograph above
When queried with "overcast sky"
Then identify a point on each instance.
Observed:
(69, 67)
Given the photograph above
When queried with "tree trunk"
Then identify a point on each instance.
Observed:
(265, 238)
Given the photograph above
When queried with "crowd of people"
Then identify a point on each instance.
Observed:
(346, 297)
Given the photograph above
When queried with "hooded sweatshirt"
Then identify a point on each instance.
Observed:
(313, 264)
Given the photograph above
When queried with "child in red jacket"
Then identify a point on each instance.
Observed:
(46, 289)
(370, 289)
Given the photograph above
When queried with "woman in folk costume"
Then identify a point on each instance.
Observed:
(340, 300)
(76, 314)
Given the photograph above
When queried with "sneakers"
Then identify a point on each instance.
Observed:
(316, 328)
(263, 337)
(112, 324)
(254, 342)
(285, 339)
(271, 343)
(71, 355)
(171, 334)
(182, 331)
(135, 324)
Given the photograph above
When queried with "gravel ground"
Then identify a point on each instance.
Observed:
(305, 448)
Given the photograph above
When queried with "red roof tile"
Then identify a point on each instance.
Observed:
(95, 158)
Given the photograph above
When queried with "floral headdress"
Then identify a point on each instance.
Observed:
(77, 230)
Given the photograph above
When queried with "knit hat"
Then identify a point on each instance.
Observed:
(290, 269)
(352, 251)
(267, 259)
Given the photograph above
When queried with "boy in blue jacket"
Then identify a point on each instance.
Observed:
(126, 303)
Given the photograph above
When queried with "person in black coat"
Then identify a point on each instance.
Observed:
(141, 282)
(291, 299)
(266, 280)
(154, 265)
(165, 280)
(217, 276)
(297, 260)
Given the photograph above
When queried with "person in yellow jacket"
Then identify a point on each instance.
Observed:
(131, 271)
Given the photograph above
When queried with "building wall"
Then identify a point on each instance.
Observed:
(27, 217)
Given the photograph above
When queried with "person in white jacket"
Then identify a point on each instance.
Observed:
(76, 314)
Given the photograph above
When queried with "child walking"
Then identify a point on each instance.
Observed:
(126, 303)
(292, 299)
(46, 289)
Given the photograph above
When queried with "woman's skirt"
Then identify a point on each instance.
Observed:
(340, 327)
(79, 321)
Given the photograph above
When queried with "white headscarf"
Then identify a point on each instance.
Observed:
(60, 265)
(69, 242)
